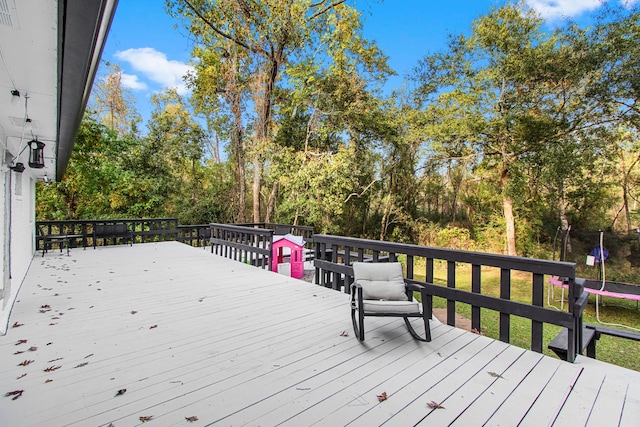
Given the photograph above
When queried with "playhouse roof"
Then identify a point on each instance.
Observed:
(298, 240)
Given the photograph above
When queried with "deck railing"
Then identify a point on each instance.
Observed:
(297, 230)
(154, 230)
(143, 230)
(197, 235)
(334, 256)
(241, 243)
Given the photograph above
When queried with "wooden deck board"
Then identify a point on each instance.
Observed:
(478, 399)
(514, 408)
(188, 333)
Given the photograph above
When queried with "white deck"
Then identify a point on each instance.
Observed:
(237, 345)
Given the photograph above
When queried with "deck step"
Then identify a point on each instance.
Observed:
(559, 345)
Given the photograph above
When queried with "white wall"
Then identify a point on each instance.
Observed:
(22, 226)
(17, 234)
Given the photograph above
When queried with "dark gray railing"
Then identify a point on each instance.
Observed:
(297, 230)
(200, 234)
(143, 230)
(334, 255)
(241, 243)
(197, 235)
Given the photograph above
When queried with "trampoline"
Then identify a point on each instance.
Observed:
(613, 289)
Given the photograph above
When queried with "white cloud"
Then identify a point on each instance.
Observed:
(552, 9)
(156, 67)
(132, 82)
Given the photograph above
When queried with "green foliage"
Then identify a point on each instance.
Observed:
(286, 94)
(91, 187)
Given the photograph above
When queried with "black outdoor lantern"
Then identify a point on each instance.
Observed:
(36, 154)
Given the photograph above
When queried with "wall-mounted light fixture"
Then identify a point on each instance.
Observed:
(18, 167)
(36, 154)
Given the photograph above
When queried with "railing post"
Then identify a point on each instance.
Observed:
(476, 272)
(451, 283)
(577, 299)
(537, 299)
(505, 294)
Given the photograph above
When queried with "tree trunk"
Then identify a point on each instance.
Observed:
(238, 148)
(385, 216)
(256, 187)
(507, 206)
(271, 203)
(507, 203)
(564, 226)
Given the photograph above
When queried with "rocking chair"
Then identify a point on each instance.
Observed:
(379, 289)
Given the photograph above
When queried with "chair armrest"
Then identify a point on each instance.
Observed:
(427, 298)
(356, 287)
(414, 287)
(356, 292)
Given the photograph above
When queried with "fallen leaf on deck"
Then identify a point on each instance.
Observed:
(25, 362)
(48, 380)
(16, 394)
(153, 326)
(344, 334)
(145, 419)
(88, 356)
(45, 306)
(191, 419)
(33, 348)
(21, 342)
(17, 325)
(434, 405)
(55, 360)
(121, 392)
(475, 331)
(495, 374)
(52, 368)
(80, 365)
(133, 312)
(19, 352)
(382, 397)
(21, 376)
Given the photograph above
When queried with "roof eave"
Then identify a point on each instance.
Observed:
(82, 32)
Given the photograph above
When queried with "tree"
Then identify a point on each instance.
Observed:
(268, 37)
(113, 103)
(219, 85)
(97, 178)
(506, 96)
(173, 151)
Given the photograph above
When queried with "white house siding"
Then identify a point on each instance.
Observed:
(17, 228)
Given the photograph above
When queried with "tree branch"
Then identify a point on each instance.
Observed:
(326, 9)
(363, 191)
(218, 31)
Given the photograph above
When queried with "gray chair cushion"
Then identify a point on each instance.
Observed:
(380, 281)
(399, 307)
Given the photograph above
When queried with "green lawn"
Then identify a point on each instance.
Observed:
(614, 311)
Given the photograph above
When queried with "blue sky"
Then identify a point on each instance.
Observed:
(153, 54)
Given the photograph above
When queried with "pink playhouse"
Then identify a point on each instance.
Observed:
(292, 246)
